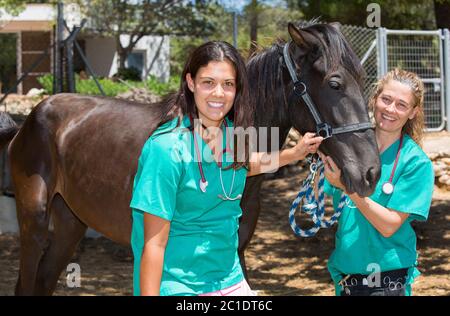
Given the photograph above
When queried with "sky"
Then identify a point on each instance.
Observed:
(240, 4)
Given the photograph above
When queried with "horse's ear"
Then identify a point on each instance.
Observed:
(304, 40)
(336, 25)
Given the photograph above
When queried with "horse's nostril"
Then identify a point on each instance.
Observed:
(371, 175)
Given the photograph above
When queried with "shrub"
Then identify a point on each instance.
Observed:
(132, 74)
(162, 88)
(113, 87)
(46, 82)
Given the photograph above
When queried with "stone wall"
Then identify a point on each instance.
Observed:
(441, 165)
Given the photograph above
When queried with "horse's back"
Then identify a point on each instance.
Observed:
(86, 148)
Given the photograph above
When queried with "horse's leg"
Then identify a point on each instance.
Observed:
(250, 212)
(31, 205)
(68, 231)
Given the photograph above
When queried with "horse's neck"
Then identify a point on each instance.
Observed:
(271, 118)
(283, 130)
(271, 111)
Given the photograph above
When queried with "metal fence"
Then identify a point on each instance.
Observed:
(423, 52)
(363, 42)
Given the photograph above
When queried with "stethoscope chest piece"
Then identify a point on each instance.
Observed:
(388, 188)
(203, 185)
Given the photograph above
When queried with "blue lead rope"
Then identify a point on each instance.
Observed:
(315, 209)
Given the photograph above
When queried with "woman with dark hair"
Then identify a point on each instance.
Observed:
(190, 178)
(375, 252)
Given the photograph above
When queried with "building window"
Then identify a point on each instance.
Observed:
(136, 60)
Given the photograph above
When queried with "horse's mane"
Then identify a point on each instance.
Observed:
(265, 68)
(265, 76)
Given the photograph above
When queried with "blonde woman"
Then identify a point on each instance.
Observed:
(375, 251)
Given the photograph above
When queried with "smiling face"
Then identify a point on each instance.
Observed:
(394, 106)
(214, 89)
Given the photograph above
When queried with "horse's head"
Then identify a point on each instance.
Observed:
(332, 74)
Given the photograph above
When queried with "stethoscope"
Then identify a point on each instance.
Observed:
(388, 187)
(203, 183)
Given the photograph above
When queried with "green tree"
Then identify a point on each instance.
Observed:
(253, 10)
(139, 18)
(12, 7)
(442, 13)
(395, 14)
(272, 19)
(269, 18)
(182, 45)
(8, 60)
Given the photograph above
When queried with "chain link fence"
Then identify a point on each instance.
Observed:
(421, 52)
(363, 42)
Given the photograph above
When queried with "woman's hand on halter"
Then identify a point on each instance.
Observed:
(262, 162)
(332, 171)
(308, 144)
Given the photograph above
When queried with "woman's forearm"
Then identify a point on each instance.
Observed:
(263, 162)
(151, 269)
(385, 221)
(289, 155)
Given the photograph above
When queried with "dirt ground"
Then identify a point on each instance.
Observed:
(279, 263)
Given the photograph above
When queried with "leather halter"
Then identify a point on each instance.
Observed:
(322, 128)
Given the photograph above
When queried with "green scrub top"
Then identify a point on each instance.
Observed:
(201, 253)
(358, 244)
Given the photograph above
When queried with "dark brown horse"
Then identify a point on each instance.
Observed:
(75, 157)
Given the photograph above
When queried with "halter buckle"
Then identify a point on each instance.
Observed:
(324, 130)
(299, 88)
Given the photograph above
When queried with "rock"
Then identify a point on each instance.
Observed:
(20, 104)
(438, 155)
(126, 95)
(444, 179)
(446, 160)
(439, 168)
(35, 92)
(139, 95)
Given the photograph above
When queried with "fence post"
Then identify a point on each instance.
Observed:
(19, 61)
(58, 85)
(446, 86)
(381, 52)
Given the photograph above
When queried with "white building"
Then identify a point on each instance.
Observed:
(33, 30)
(150, 56)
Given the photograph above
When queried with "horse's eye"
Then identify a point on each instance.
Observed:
(334, 84)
